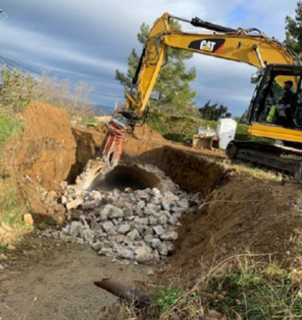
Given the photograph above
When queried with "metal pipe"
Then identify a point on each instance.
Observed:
(180, 19)
(131, 295)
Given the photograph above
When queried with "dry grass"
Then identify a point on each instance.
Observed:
(18, 90)
(63, 94)
(243, 287)
(254, 171)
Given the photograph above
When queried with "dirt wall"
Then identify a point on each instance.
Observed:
(41, 157)
(190, 170)
(244, 214)
(45, 151)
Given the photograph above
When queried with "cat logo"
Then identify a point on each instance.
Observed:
(208, 45)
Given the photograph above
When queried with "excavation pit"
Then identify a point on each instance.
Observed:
(131, 213)
(123, 177)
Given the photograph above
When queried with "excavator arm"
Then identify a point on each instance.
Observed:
(249, 46)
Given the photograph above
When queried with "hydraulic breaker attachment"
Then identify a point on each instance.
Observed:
(121, 125)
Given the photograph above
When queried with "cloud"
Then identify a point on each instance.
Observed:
(89, 40)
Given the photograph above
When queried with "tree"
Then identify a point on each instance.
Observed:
(214, 111)
(172, 91)
(294, 31)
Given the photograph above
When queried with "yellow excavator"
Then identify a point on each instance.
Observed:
(275, 64)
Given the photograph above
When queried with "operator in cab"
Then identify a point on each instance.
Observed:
(289, 96)
(281, 113)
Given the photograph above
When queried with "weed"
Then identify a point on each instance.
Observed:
(299, 244)
(255, 291)
(240, 288)
(11, 212)
(167, 298)
(10, 126)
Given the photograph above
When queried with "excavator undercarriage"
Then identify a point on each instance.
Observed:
(285, 160)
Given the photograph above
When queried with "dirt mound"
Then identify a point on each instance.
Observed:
(243, 214)
(146, 133)
(45, 151)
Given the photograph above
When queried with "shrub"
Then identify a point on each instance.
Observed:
(17, 90)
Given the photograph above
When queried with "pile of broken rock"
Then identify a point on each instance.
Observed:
(139, 225)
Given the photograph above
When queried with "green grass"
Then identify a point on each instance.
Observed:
(167, 298)
(257, 295)
(10, 126)
(10, 211)
(244, 289)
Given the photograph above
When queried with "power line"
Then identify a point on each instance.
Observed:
(16, 64)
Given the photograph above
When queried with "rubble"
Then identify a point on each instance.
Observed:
(139, 225)
(3, 257)
(28, 219)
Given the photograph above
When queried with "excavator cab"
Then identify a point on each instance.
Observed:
(268, 114)
(284, 127)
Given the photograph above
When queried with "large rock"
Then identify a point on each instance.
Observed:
(76, 229)
(110, 211)
(124, 228)
(107, 226)
(126, 254)
(169, 235)
(28, 220)
(159, 230)
(162, 249)
(169, 199)
(88, 235)
(74, 204)
(143, 254)
(132, 236)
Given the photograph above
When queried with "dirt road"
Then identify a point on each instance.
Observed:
(55, 282)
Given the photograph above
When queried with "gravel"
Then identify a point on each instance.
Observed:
(139, 225)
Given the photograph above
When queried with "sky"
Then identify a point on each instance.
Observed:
(88, 40)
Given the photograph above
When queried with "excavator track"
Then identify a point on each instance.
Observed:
(279, 158)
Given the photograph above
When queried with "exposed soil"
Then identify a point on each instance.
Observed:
(52, 280)
(45, 151)
(244, 214)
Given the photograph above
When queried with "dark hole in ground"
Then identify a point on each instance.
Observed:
(123, 177)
